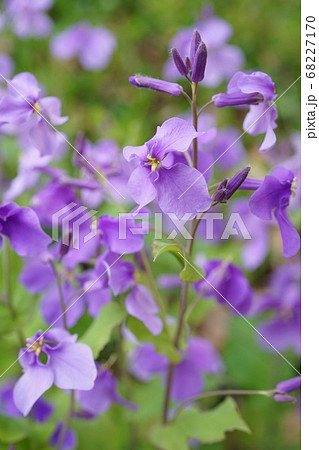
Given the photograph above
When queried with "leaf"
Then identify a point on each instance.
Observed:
(190, 272)
(99, 333)
(161, 342)
(205, 426)
(12, 430)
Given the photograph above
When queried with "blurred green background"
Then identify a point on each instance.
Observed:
(104, 104)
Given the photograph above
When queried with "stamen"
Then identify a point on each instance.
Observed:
(36, 107)
(154, 162)
(35, 346)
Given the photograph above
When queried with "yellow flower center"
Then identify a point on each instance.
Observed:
(153, 162)
(36, 107)
(36, 346)
(294, 186)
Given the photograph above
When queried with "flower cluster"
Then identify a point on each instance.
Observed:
(110, 316)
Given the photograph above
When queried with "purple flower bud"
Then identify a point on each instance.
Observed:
(199, 63)
(251, 184)
(284, 398)
(220, 194)
(226, 189)
(289, 385)
(188, 64)
(179, 63)
(196, 40)
(156, 84)
(221, 100)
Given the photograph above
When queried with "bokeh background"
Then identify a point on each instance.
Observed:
(104, 105)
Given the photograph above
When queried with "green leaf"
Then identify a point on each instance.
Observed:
(205, 426)
(190, 272)
(161, 342)
(12, 430)
(99, 333)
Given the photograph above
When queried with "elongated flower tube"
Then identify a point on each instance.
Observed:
(156, 85)
(257, 90)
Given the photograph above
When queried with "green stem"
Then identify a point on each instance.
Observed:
(204, 107)
(66, 423)
(153, 288)
(61, 296)
(8, 293)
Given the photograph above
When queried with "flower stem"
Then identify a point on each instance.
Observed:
(153, 288)
(8, 293)
(61, 296)
(66, 423)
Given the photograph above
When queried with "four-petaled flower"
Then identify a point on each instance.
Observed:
(52, 357)
(179, 188)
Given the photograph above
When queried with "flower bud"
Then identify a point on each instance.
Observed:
(179, 63)
(283, 398)
(227, 189)
(238, 98)
(196, 40)
(289, 385)
(199, 64)
(156, 85)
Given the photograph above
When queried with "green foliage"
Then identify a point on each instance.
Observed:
(99, 333)
(162, 342)
(205, 426)
(190, 272)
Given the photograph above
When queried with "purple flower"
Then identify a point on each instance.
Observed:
(227, 188)
(227, 283)
(105, 155)
(24, 105)
(287, 386)
(29, 18)
(121, 235)
(49, 358)
(257, 90)
(41, 411)
(31, 163)
(255, 249)
(145, 362)
(6, 66)
(70, 440)
(282, 303)
(99, 399)
(227, 148)
(139, 303)
(179, 188)
(156, 85)
(272, 198)
(21, 226)
(199, 358)
(223, 60)
(93, 46)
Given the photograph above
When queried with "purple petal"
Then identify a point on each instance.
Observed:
(141, 187)
(175, 135)
(139, 303)
(181, 190)
(187, 381)
(289, 385)
(73, 366)
(33, 383)
(51, 106)
(69, 442)
(289, 235)
(21, 226)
